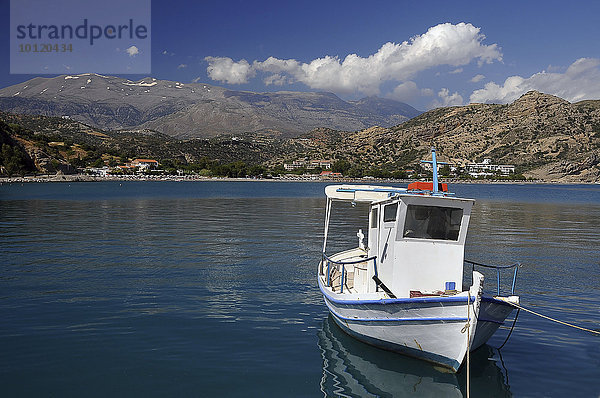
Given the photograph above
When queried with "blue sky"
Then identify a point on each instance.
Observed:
(426, 54)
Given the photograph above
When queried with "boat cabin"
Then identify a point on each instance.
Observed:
(415, 241)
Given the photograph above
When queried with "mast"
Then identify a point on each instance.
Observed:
(434, 163)
(435, 171)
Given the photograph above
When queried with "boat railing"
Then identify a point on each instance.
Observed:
(498, 268)
(340, 266)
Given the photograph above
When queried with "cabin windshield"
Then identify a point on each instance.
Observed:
(432, 222)
(345, 221)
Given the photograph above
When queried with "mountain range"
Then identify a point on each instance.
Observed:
(194, 110)
(544, 136)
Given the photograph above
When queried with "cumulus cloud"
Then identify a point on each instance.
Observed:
(456, 71)
(132, 51)
(405, 91)
(182, 66)
(276, 79)
(444, 44)
(408, 91)
(447, 99)
(224, 69)
(580, 81)
(477, 78)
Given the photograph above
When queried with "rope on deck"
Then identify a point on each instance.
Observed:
(549, 318)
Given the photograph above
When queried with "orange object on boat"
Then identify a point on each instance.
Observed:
(427, 186)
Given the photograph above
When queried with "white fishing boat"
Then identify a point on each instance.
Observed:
(403, 289)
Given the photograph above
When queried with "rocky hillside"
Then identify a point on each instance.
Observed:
(52, 144)
(545, 136)
(193, 110)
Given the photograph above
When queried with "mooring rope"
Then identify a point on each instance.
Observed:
(468, 326)
(549, 318)
(511, 329)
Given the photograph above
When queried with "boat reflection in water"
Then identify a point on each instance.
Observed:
(354, 369)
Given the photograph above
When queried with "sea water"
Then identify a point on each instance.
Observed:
(209, 289)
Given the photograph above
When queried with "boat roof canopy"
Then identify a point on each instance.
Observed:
(373, 193)
(361, 193)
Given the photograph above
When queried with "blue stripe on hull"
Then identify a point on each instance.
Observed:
(416, 319)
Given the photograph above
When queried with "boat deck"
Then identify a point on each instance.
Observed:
(352, 269)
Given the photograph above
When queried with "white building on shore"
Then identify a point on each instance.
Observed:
(487, 168)
(308, 164)
(483, 169)
(145, 164)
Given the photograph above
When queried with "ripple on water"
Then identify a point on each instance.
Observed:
(164, 289)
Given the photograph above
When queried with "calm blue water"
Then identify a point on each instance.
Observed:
(209, 289)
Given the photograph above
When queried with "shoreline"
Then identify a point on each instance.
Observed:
(85, 178)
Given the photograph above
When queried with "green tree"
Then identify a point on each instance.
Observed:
(341, 166)
(444, 170)
(355, 172)
(237, 169)
(256, 170)
(13, 160)
(400, 175)
(278, 170)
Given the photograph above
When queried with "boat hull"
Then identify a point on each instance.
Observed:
(433, 329)
(352, 370)
(492, 314)
(435, 351)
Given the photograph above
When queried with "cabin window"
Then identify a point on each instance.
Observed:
(374, 217)
(432, 222)
(389, 212)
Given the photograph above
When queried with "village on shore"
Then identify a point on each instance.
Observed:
(298, 170)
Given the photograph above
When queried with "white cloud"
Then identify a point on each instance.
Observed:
(477, 78)
(447, 99)
(224, 69)
(456, 71)
(444, 44)
(427, 92)
(408, 91)
(132, 51)
(405, 91)
(275, 79)
(580, 81)
(181, 66)
(276, 65)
